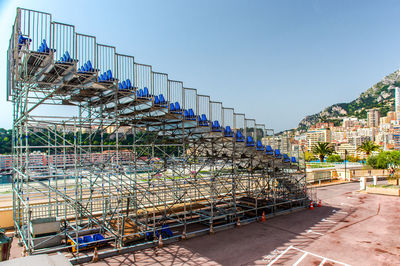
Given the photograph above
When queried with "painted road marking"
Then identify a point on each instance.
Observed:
(326, 220)
(311, 231)
(305, 254)
(300, 259)
(339, 212)
(280, 255)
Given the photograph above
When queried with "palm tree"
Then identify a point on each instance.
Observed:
(368, 147)
(322, 149)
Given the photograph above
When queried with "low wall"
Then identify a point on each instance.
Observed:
(392, 191)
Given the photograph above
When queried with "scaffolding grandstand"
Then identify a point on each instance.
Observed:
(108, 152)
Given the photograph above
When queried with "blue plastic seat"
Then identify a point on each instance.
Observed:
(162, 99)
(87, 239)
(81, 243)
(129, 84)
(97, 237)
(124, 85)
(260, 147)
(249, 141)
(172, 107)
(156, 100)
(91, 69)
(191, 114)
(146, 92)
(120, 87)
(109, 75)
(67, 57)
(239, 136)
(294, 160)
(269, 150)
(187, 114)
(228, 132)
(165, 231)
(204, 120)
(278, 154)
(215, 127)
(177, 106)
(286, 158)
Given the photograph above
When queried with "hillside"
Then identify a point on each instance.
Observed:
(380, 95)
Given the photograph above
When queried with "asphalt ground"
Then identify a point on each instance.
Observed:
(351, 228)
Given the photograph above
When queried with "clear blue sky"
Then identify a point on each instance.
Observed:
(275, 61)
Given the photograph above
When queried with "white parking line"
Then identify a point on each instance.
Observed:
(305, 254)
(339, 212)
(322, 262)
(326, 220)
(321, 257)
(311, 231)
(280, 255)
(300, 259)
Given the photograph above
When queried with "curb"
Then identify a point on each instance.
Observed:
(332, 184)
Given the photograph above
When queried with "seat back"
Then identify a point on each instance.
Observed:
(90, 65)
(141, 93)
(156, 100)
(162, 100)
(129, 84)
(186, 114)
(109, 75)
(177, 106)
(146, 92)
(294, 160)
(228, 130)
(191, 113)
(124, 85)
(172, 107)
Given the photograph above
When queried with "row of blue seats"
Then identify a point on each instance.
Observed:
(175, 107)
(106, 76)
(203, 122)
(165, 232)
(160, 100)
(277, 153)
(43, 48)
(189, 114)
(86, 241)
(125, 85)
(66, 58)
(143, 93)
(87, 67)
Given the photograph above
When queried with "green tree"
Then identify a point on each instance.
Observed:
(309, 156)
(368, 147)
(384, 159)
(334, 158)
(322, 149)
(353, 159)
